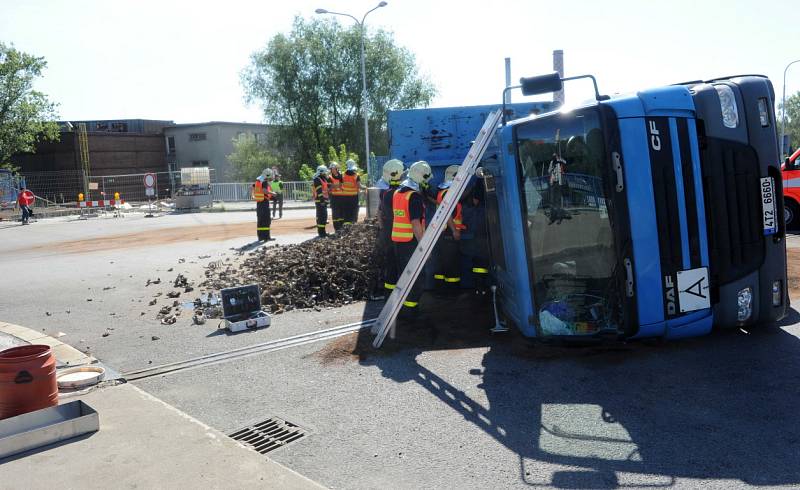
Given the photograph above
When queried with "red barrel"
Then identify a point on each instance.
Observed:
(27, 380)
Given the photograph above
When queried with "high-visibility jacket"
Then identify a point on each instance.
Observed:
(320, 192)
(277, 185)
(262, 192)
(349, 184)
(335, 181)
(458, 219)
(402, 230)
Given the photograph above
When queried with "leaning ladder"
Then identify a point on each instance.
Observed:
(414, 267)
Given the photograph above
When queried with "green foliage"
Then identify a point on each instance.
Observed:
(307, 173)
(26, 115)
(308, 82)
(792, 120)
(250, 157)
(340, 156)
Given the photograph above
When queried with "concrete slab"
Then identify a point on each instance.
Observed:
(145, 443)
(65, 354)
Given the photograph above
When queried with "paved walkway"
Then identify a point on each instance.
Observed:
(142, 443)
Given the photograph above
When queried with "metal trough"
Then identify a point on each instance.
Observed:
(46, 426)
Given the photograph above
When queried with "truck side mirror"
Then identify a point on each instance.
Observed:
(541, 84)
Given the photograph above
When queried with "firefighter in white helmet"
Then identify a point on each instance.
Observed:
(335, 177)
(351, 185)
(448, 265)
(320, 190)
(262, 194)
(388, 183)
(408, 226)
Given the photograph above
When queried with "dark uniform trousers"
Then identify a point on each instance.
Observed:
(322, 217)
(449, 261)
(264, 219)
(350, 212)
(337, 212)
(403, 252)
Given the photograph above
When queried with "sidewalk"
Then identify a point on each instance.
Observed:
(142, 443)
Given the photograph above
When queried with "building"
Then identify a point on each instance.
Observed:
(119, 146)
(208, 144)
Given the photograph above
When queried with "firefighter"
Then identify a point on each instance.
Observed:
(351, 184)
(389, 182)
(449, 263)
(335, 190)
(262, 193)
(408, 226)
(320, 190)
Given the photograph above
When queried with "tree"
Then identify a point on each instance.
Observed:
(250, 157)
(308, 82)
(792, 120)
(26, 115)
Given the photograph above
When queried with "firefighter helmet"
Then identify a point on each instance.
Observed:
(393, 170)
(420, 172)
(450, 173)
(351, 165)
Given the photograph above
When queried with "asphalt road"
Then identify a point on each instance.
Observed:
(450, 406)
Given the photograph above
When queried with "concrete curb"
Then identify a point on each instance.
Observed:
(66, 355)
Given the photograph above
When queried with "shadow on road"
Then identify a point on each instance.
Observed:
(718, 407)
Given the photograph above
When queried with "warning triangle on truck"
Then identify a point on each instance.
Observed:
(386, 319)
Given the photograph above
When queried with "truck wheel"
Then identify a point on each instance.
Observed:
(791, 214)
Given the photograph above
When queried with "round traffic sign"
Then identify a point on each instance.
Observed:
(149, 180)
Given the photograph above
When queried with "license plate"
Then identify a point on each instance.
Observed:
(768, 214)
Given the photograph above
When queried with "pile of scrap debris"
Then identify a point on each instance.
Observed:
(324, 272)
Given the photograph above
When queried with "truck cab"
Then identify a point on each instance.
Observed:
(791, 189)
(645, 215)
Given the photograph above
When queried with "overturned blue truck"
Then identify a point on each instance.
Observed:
(645, 215)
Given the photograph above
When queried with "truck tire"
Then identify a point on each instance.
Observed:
(791, 214)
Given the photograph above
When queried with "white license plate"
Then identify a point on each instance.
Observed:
(770, 219)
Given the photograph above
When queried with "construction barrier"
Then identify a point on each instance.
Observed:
(101, 204)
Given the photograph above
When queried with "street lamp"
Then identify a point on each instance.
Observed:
(363, 71)
(783, 107)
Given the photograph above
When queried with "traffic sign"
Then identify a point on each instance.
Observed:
(149, 180)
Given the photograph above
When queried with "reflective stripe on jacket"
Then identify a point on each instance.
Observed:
(402, 230)
(349, 184)
(320, 190)
(258, 191)
(458, 219)
(336, 191)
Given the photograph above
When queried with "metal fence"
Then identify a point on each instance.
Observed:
(63, 187)
(238, 191)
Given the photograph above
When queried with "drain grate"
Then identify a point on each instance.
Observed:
(269, 435)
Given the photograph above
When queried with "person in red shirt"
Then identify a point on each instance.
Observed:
(25, 200)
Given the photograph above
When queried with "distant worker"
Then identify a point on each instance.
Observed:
(262, 194)
(25, 200)
(351, 184)
(388, 183)
(408, 227)
(336, 180)
(277, 188)
(321, 191)
(449, 254)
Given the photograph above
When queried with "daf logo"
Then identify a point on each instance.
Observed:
(669, 295)
(655, 138)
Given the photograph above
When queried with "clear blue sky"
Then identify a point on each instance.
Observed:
(181, 60)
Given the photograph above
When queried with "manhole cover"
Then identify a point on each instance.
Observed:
(269, 435)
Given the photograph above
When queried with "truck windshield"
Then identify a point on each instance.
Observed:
(563, 165)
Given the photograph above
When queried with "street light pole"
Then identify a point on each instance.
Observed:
(783, 107)
(364, 94)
